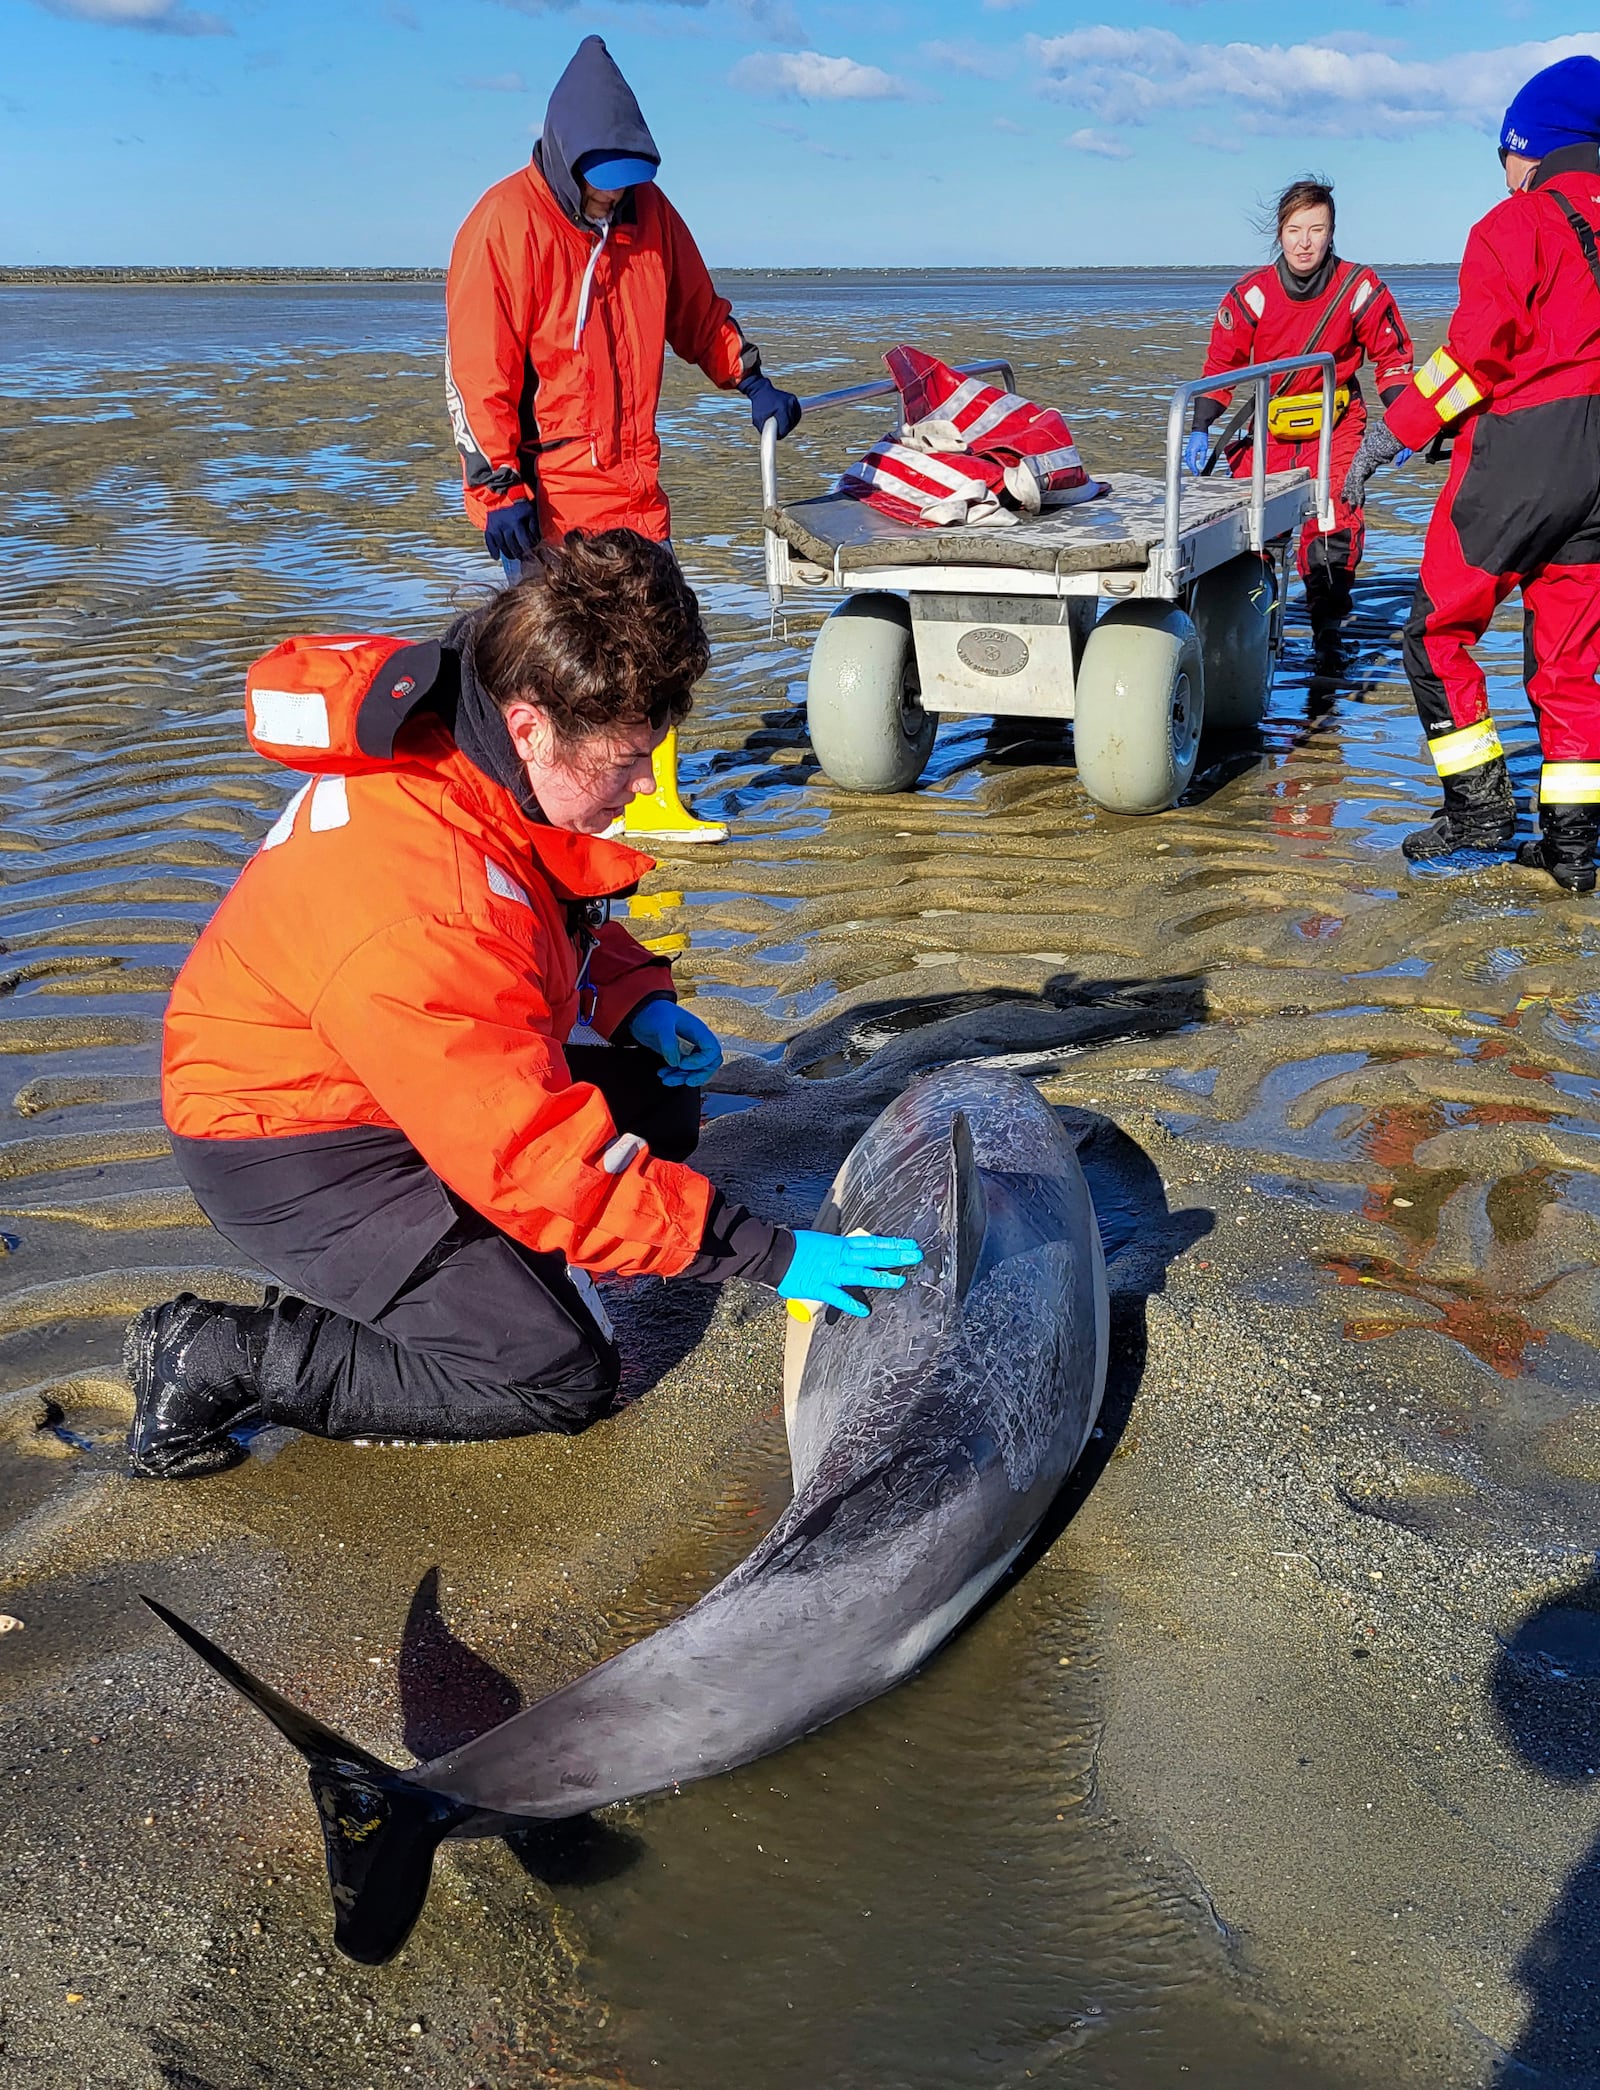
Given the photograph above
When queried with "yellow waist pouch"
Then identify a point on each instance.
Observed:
(1295, 416)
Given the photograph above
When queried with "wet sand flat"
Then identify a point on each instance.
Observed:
(1277, 1766)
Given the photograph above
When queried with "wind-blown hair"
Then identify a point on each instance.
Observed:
(601, 632)
(1306, 193)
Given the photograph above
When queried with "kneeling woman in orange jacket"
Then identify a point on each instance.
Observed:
(412, 1069)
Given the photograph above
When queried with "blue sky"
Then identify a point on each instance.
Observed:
(846, 132)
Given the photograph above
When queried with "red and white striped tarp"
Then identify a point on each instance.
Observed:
(967, 452)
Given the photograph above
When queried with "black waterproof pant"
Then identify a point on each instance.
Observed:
(480, 1338)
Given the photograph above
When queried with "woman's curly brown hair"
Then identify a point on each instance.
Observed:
(601, 632)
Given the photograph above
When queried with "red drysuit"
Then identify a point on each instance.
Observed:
(1273, 314)
(1519, 378)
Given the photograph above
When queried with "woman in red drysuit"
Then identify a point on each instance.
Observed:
(1518, 380)
(1274, 313)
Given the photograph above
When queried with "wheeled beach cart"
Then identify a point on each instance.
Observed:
(1142, 616)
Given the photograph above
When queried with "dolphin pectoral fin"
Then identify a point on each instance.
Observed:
(964, 1210)
(379, 1829)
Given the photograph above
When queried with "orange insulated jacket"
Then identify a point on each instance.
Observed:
(408, 948)
(556, 341)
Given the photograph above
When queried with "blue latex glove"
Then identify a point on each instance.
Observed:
(767, 403)
(1196, 449)
(512, 532)
(1403, 456)
(688, 1046)
(829, 1268)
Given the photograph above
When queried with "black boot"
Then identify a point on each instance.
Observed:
(1479, 812)
(1329, 602)
(1566, 846)
(193, 1363)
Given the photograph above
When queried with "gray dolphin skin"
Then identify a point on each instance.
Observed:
(927, 1442)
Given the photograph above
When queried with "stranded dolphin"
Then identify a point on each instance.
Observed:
(927, 1442)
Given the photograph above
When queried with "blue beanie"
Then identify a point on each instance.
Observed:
(1560, 106)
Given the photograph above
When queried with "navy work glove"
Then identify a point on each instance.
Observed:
(829, 1268)
(768, 403)
(512, 532)
(1378, 446)
(688, 1046)
(1196, 449)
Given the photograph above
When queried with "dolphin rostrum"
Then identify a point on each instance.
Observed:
(927, 1442)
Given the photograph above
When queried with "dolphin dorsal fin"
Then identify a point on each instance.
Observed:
(964, 1212)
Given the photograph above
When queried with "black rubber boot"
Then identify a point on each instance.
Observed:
(193, 1363)
(1566, 846)
(1329, 602)
(1479, 812)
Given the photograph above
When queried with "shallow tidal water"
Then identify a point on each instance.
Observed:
(935, 1891)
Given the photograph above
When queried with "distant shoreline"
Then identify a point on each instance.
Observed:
(110, 276)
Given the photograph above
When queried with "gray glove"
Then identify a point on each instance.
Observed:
(1377, 447)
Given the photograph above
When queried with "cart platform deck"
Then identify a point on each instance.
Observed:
(1116, 533)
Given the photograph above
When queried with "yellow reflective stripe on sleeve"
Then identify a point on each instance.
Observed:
(1462, 394)
(1570, 784)
(1440, 370)
(1469, 748)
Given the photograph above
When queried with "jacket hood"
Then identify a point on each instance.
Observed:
(336, 707)
(592, 109)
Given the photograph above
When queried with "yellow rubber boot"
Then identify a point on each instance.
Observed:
(661, 814)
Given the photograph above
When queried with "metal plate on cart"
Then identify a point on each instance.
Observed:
(998, 656)
(990, 651)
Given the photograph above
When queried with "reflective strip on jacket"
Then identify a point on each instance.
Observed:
(531, 410)
(1526, 328)
(400, 952)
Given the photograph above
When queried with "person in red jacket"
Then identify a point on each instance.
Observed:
(1308, 292)
(1518, 382)
(414, 1071)
(567, 284)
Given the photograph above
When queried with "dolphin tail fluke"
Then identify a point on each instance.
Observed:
(380, 1830)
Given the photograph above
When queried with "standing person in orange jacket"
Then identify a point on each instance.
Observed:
(1518, 384)
(414, 1071)
(568, 282)
(1308, 293)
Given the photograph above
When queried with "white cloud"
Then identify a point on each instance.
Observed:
(168, 17)
(809, 76)
(1100, 143)
(1344, 87)
(980, 61)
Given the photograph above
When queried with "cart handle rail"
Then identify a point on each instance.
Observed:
(851, 395)
(1258, 376)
